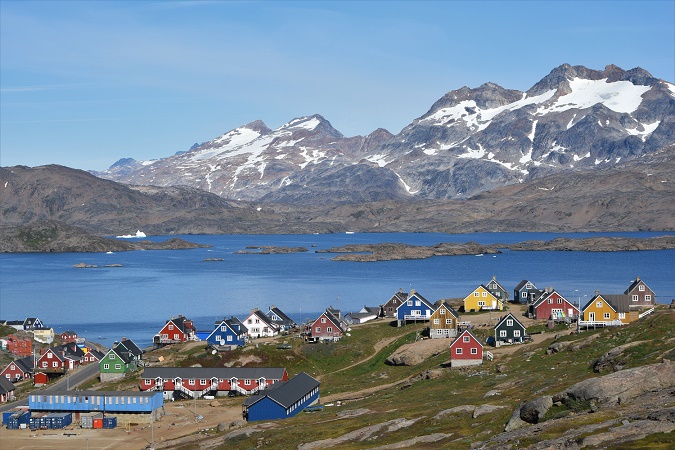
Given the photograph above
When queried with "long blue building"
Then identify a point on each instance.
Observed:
(282, 400)
(127, 402)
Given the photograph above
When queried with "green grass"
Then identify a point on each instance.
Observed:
(524, 375)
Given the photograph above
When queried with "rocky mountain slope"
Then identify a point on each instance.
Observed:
(633, 195)
(470, 141)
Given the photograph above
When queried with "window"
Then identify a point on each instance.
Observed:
(437, 321)
(49, 355)
(202, 382)
(476, 294)
(317, 330)
(147, 382)
(466, 339)
(448, 321)
(247, 382)
(329, 330)
(442, 312)
(622, 315)
(191, 382)
(598, 304)
(484, 293)
(12, 367)
(458, 351)
(641, 288)
(481, 303)
(170, 327)
(106, 366)
(323, 320)
(118, 366)
(516, 333)
(635, 298)
(606, 316)
(409, 303)
(417, 303)
(509, 322)
(648, 298)
(474, 351)
(223, 328)
(229, 338)
(550, 301)
(502, 333)
(55, 364)
(560, 301)
(112, 356)
(523, 294)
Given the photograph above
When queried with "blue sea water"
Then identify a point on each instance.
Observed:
(107, 303)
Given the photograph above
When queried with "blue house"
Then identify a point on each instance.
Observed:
(282, 400)
(525, 292)
(414, 308)
(228, 332)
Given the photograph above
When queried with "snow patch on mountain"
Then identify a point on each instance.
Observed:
(619, 96)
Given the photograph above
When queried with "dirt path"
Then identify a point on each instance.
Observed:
(377, 347)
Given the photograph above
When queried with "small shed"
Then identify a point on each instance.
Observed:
(282, 400)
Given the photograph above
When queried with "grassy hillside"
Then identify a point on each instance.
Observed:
(389, 393)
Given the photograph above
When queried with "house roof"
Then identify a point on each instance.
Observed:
(122, 353)
(371, 309)
(634, 284)
(286, 393)
(260, 315)
(442, 304)
(5, 386)
(620, 302)
(183, 324)
(418, 296)
(494, 280)
(284, 319)
(361, 315)
(131, 347)
(522, 284)
(400, 296)
(69, 333)
(98, 354)
(25, 364)
(508, 316)
(250, 373)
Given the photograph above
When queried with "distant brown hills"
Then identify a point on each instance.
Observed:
(631, 196)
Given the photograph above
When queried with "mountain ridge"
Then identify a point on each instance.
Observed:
(471, 140)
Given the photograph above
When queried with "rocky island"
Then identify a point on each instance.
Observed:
(393, 251)
(269, 250)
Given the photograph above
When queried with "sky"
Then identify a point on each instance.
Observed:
(85, 83)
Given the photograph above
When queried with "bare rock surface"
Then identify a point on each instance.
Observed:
(361, 434)
(417, 352)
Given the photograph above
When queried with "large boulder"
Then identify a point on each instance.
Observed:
(621, 386)
(535, 410)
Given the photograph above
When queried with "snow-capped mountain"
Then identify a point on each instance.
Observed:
(471, 140)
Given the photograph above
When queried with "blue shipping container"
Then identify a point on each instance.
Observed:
(17, 419)
(110, 422)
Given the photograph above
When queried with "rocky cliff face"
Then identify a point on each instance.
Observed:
(470, 141)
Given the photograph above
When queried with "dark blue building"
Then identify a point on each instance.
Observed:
(228, 332)
(282, 400)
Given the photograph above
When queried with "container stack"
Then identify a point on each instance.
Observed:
(18, 419)
(36, 421)
(55, 421)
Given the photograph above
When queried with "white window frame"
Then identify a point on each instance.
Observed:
(516, 333)
(502, 333)
(466, 339)
(641, 288)
(607, 316)
(474, 351)
(648, 298)
(118, 367)
(458, 351)
(509, 322)
(191, 382)
(106, 366)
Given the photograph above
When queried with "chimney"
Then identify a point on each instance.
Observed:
(124, 339)
(637, 279)
(254, 310)
(597, 293)
(180, 316)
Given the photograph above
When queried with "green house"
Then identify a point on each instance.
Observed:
(120, 360)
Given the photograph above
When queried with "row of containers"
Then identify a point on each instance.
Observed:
(23, 419)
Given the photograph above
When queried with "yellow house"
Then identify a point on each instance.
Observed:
(609, 308)
(443, 322)
(44, 335)
(482, 298)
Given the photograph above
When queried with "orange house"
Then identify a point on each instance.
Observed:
(609, 308)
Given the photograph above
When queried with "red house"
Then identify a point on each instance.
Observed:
(466, 350)
(175, 331)
(552, 305)
(19, 347)
(57, 360)
(191, 382)
(327, 327)
(19, 369)
(69, 336)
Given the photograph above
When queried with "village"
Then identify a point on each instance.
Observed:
(270, 392)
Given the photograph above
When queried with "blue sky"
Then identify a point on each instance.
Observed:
(85, 83)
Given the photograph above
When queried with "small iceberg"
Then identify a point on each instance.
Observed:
(108, 253)
(139, 234)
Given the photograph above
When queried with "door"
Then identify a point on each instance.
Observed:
(591, 317)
